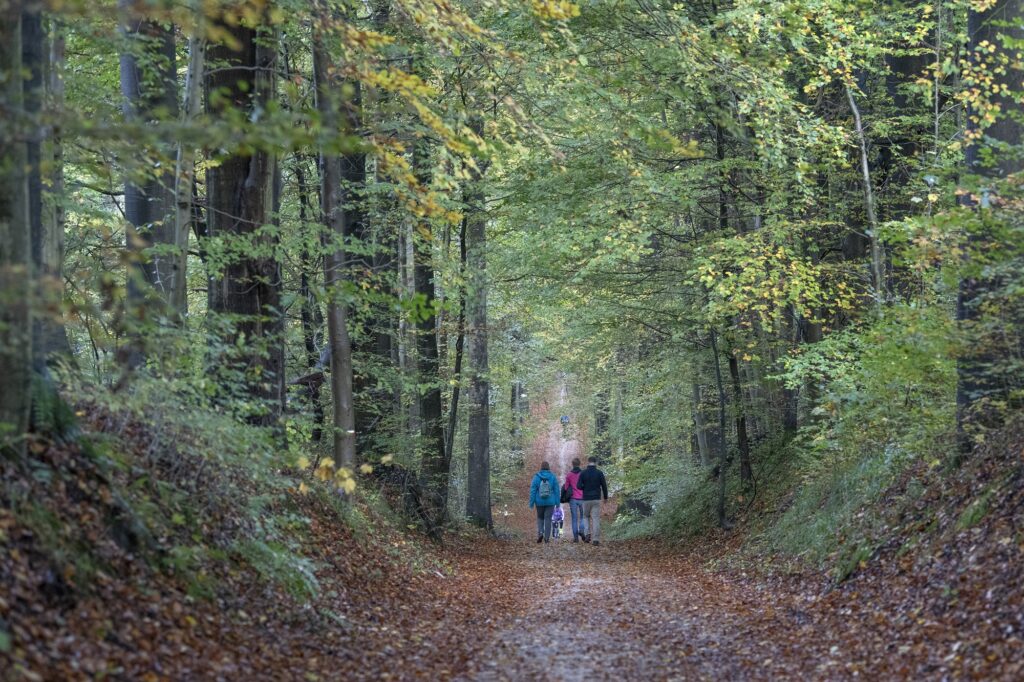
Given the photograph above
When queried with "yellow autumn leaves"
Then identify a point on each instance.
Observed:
(555, 10)
(342, 477)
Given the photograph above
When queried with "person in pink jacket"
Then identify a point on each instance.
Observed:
(576, 501)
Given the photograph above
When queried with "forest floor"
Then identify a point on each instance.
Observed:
(642, 610)
(481, 608)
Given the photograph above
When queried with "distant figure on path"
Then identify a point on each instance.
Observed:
(544, 495)
(579, 528)
(556, 521)
(594, 487)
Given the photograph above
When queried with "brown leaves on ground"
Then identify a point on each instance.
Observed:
(941, 600)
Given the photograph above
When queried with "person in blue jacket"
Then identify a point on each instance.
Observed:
(544, 495)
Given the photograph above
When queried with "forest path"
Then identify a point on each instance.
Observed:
(612, 613)
(624, 610)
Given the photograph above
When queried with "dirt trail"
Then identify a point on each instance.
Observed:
(619, 611)
(641, 611)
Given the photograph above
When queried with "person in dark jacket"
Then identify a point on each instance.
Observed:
(595, 488)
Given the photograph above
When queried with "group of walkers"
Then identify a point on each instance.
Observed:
(584, 490)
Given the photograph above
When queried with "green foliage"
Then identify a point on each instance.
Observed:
(887, 388)
(974, 512)
(282, 565)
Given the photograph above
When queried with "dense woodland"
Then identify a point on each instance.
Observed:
(766, 249)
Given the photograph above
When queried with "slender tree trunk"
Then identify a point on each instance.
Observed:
(460, 343)
(742, 440)
(478, 501)
(335, 219)
(877, 264)
(723, 458)
(602, 439)
(699, 427)
(15, 238)
(436, 465)
(311, 317)
(240, 199)
(184, 168)
(149, 89)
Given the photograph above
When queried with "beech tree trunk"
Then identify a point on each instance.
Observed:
(44, 88)
(311, 317)
(149, 89)
(436, 465)
(742, 439)
(460, 344)
(184, 170)
(15, 238)
(336, 221)
(723, 455)
(699, 427)
(239, 197)
(478, 500)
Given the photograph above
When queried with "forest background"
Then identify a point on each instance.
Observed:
(773, 248)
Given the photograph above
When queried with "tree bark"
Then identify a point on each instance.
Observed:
(15, 239)
(239, 197)
(42, 91)
(184, 169)
(742, 440)
(149, 88)
(723, 458)
(877, 265)
(436, 465)
(460, 344)
(478, 501)
(699, 427)
(311, 317)
(335, 219)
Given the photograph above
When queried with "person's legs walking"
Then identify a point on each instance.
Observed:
(540, 522)
(548, 511)
(595, 522)
(576, 510)
(587, 504)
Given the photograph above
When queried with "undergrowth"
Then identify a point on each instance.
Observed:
(884, 411)
(191, 491)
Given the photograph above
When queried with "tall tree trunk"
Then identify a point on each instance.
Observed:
(311, 317)
(723, 455)
(335, 219)
(602, 437)
(49, 336)
(877, 265)
(184, 168)
(15, 238)
(478, 500)
(699, 427)
(979, 384)
(742, 440)
(240, 199)
(460, 343)
(149, 89)
(436, 465)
